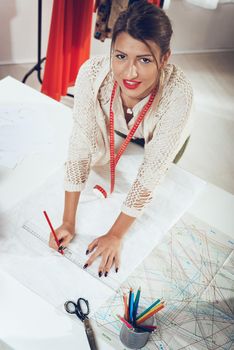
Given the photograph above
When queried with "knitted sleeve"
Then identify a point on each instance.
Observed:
(82, 141)
(160, 150)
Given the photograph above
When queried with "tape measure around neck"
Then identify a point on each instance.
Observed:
(115, 158)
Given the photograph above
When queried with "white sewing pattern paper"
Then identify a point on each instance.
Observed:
(57, 278)
(23, 131)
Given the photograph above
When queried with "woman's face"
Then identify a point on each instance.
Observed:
(134, 66)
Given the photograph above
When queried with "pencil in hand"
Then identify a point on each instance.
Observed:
(53, 232)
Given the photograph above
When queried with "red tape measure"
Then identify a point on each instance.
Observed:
(114, 159)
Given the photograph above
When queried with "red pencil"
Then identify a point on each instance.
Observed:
(53, 231)
(125, 322)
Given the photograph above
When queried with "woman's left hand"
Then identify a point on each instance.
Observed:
(108, 247)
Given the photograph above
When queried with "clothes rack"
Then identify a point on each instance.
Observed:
(40, 60)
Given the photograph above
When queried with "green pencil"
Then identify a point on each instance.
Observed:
(148, 309)
(136, 303)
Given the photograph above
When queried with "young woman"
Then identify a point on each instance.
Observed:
(135, 86)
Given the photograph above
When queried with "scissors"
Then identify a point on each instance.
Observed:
(81, 309)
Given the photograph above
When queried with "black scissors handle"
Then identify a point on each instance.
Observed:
(81, 308)
(70, 307)
(82, 313)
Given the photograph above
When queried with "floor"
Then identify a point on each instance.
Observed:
(209, 153)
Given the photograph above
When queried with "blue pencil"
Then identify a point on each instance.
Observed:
(129, 300)
(131, 308)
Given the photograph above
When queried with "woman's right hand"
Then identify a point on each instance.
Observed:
(65, 233)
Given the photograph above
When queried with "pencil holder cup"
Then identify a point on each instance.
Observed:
(133, 338)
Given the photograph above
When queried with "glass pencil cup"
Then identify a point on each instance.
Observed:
(134, 338)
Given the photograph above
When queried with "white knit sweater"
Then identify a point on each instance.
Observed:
(164, 128)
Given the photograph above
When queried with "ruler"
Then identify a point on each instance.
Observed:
(74, 257)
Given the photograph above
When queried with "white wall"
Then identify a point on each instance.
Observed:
(18, 30)
(195, 29)
(198, 29)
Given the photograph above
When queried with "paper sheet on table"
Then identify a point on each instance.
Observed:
(192, 269)
(23, 131)
(57, 279)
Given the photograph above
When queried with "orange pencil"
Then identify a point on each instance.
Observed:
(156, 307)
(126, 315)
(144, 318)
(153, 309)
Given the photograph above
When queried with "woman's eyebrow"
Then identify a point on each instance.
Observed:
(116, 50)
(145, 55)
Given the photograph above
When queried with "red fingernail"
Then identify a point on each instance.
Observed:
(84, 267)
(117, 269)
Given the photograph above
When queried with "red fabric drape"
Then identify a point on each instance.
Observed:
(68, 45)
(155, 2)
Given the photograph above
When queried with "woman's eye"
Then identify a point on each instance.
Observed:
(145, 60)
(120, 56)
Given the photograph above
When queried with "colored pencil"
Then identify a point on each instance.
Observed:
(136, 303)
(129, 302)
(148, 309)
(129, 296)
(131, 308)
(53, 231)
(151, 311)
(154, 308)
(127, 324)
(146, 328)
(148, 315)
(126, 314)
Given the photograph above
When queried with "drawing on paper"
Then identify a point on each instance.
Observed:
(192, 269)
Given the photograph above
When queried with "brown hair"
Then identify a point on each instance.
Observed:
(145, 21)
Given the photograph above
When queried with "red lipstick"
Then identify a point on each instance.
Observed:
(131, 84)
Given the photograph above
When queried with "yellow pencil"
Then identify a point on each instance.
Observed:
(150, 314)
(152, 311)
(149, 308)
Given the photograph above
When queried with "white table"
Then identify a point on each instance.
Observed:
(26, 320)
(35, 168)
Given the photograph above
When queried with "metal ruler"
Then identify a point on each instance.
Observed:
(35, 231)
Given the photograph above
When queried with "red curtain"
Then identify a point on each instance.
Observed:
(155, 2)
(68, 45)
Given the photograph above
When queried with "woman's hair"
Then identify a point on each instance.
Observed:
(144, 21)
